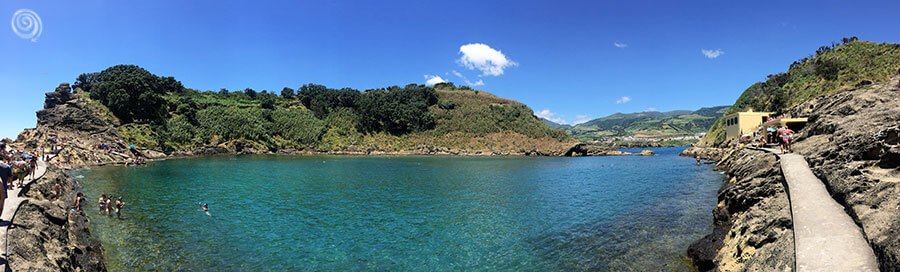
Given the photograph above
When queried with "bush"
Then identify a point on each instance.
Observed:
(233, 123)
(300, 127)
(446, 104)
(179, 130)
(341, 130)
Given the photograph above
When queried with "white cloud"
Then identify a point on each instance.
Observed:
(465, 79)
(620, 45)
(651, 109)
(482, 57)
(581, 119)
(549, 115)
(623, 100)
(431, 80)
(712, 53)
(476, 83)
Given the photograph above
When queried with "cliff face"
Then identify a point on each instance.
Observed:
(72, 123)
(752, 222)
(852, 143)
(48, 235)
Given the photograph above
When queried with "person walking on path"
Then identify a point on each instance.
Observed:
(33, 164)
(5, 173)
(786, 135)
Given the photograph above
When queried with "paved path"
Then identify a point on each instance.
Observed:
(825, 237)
(9, 210)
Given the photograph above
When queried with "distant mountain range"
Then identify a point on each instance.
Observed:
(650, 124)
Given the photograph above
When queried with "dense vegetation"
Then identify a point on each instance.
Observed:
(158, 112)
(841, 66)
(650, 124)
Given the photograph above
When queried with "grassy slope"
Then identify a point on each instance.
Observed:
(480, 121)
(860, 63)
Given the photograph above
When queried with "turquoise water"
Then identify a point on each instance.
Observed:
(275, 213)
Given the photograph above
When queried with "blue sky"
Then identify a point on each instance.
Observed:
(568, 60)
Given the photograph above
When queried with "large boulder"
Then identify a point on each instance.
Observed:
(61, 95)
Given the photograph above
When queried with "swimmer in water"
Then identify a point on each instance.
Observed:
(119, 205)
(205, 207)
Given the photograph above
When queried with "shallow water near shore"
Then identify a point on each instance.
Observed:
(405, 213)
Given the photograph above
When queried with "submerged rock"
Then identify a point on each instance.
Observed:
(584, 149)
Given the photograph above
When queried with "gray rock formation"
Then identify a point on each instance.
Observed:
(62, 94)
(752, 222)
(48, 236)
(852, 143)
(599, 150)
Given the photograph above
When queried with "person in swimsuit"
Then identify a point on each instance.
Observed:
(119, 205)
(33, 164)
(109, 206)
(786, 136)
(79, 200)
(101, 202)
(205, 207)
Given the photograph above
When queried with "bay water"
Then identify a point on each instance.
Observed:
(404, 213)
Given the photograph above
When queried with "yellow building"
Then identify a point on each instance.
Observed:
(740, 123)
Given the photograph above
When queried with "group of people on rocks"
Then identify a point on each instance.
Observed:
(15, 165)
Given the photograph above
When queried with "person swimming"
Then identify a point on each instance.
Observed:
(205, 207)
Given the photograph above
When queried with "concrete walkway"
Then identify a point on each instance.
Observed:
(10, 206)
(825, 237)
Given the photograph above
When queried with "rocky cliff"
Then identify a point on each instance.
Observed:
(47, 234)
(752, 221)
(852, 143)
(72, 126)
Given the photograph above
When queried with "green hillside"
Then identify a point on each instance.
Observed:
(555, 125)
(159, 113)
(839, 67)
(649, 124)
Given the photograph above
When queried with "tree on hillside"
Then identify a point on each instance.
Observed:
(398, 110)
(267, 101)
(223, 91)
(287, 93)
(250, 92)
(130, 92)
(322, 100)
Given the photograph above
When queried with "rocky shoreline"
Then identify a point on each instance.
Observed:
(47, 234)
(852, 144)
(752, 220)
